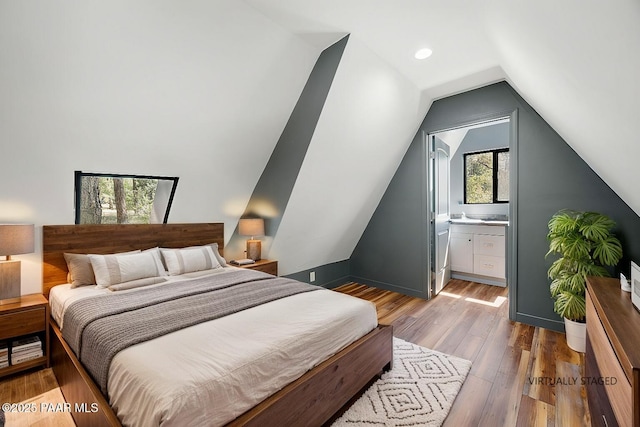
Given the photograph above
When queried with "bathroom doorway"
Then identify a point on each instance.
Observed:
(478, 242)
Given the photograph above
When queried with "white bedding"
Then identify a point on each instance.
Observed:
(61, 296)
(210, 373)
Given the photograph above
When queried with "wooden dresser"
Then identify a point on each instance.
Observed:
(612, 359)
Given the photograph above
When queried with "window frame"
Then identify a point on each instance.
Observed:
(78, 175)
(495, 152)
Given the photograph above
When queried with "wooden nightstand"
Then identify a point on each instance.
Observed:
(28, 315)
(264, 265)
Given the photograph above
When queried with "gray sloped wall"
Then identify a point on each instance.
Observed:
(279, 175)
(551, 176)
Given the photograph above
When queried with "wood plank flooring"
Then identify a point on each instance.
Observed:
(513, 380)
(521, 375)
(32, 389)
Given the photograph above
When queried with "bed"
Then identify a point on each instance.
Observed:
(292, 389)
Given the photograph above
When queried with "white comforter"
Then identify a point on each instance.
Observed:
(211, 373)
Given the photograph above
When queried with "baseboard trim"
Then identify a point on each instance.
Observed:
(479, 279)
(554, 325)
(337, 282)
(388, 287)
(328, 275)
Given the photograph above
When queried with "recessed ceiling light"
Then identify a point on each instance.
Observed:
(423, 53)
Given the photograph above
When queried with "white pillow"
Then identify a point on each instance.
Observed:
(186, 260)
(216, 252)
(80, 270)
(158, 258)
(147, 281)
(112, 269)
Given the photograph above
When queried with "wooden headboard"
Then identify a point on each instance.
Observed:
(106, 238)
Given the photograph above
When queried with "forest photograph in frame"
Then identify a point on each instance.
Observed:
(102, 198)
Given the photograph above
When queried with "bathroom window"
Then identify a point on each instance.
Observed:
(486, 177)
(123, 199)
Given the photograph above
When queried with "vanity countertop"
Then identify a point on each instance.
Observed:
(473, 221)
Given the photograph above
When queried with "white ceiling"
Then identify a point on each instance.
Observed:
(576, 62)
(453, 29)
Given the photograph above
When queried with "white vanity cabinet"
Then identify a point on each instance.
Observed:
(461, 249)
(478, 253)
(489, 255)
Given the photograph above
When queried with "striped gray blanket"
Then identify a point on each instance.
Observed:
(97, 328)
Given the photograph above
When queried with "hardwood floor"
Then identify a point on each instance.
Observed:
(32, 389)
(521, 375)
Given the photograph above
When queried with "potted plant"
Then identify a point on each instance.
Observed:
(586, 247)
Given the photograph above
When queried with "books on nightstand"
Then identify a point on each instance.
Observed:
(25, 349)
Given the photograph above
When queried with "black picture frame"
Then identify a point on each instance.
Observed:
(79, 175)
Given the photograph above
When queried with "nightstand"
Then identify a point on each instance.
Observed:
(264, 265)
(26, 316)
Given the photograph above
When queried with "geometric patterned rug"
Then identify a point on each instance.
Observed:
(418, 391)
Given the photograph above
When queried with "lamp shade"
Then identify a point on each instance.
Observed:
(251, 227)
(16, 239)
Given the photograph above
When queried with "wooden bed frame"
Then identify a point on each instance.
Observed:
(311, 400)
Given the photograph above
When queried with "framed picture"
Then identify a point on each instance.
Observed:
(103, 198)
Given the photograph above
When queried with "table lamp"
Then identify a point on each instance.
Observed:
(252, 227)
(15, 239)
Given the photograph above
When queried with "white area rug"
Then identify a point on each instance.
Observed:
(418, 391)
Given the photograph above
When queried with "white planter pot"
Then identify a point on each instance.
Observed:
(576, 335)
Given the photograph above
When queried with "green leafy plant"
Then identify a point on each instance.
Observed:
(586, 247)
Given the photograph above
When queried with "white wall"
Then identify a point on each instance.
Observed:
(369, 119)
(576, 62)
(198, 89)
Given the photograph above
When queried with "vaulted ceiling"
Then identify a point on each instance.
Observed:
(576, 62)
